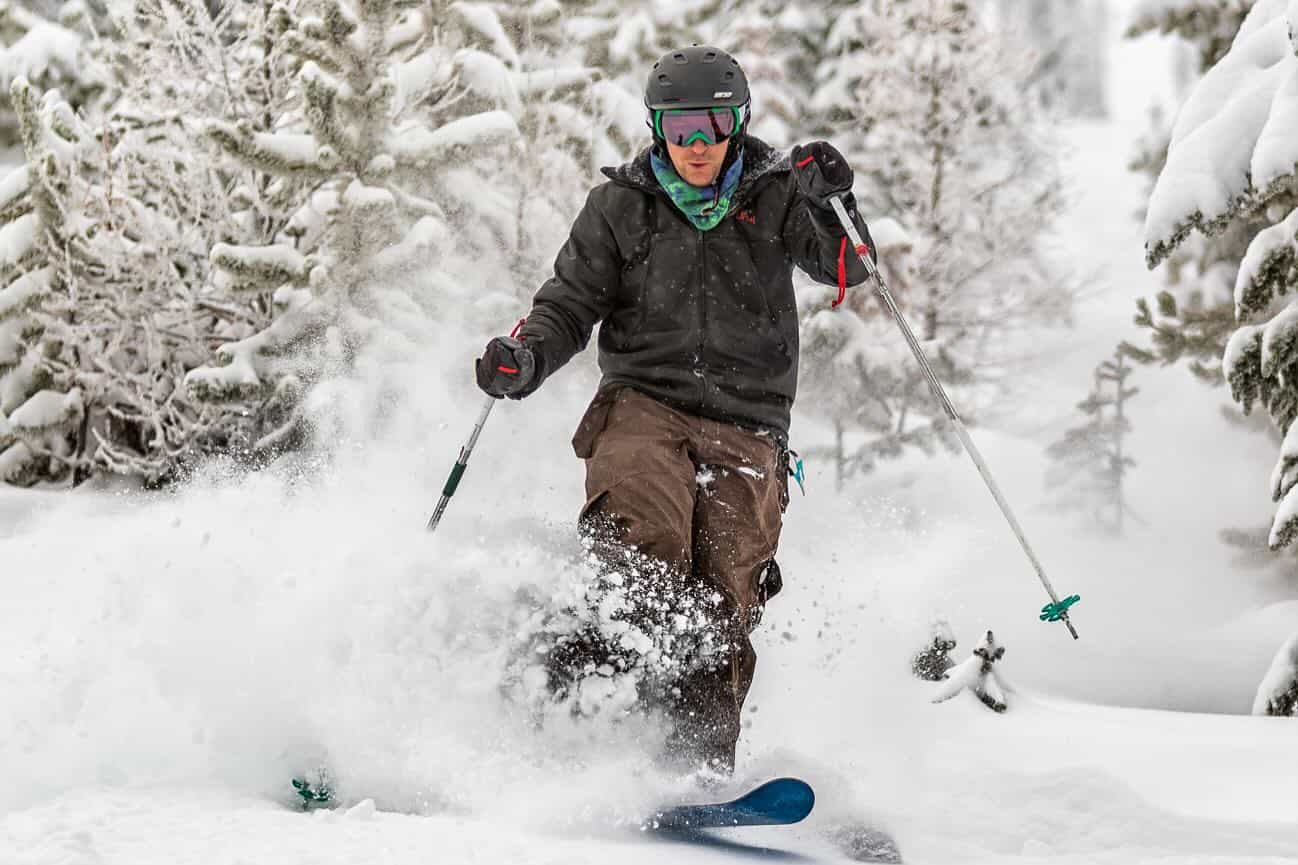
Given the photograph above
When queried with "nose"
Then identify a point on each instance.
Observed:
(699, 147)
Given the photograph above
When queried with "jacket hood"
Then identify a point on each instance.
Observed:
(761, 163)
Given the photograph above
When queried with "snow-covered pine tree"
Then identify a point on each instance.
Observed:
(1209, 25)
(855, 374)
(778, 44)
(1090, 460)
(1277, 693)
(48, 48)
(1193, 318)
(95, 336)
(623, 38)
(980, 675)
(1069, 41)
(933, 112)
(1233, 156)
(185, 69)
(381, 92)
(933, 661)
(527, 67)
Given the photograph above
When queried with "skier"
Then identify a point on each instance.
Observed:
(685, 258)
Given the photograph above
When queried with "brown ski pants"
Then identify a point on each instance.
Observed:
(705, 499)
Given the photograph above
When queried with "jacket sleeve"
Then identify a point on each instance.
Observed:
(569, 304)
(818, 244)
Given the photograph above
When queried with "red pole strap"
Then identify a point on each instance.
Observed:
(842, 273)
(513, 333)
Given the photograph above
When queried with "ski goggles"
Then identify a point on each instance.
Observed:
(684, 126)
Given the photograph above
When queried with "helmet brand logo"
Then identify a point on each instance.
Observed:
(723, 94)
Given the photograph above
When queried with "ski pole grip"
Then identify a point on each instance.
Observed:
(454, 480)
(836, 202)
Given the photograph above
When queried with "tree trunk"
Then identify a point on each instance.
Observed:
(930, 319)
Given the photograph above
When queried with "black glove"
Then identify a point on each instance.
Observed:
(821, 172)
(506, 368)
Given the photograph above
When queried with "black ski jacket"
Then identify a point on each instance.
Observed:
(702, 320)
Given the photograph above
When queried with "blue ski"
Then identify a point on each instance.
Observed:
(775, 803)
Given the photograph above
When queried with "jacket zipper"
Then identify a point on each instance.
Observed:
(703, 315)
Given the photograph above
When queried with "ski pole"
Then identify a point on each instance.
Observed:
(1056, 610)
(461, 464)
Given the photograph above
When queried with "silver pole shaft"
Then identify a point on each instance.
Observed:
(461, 463)
(939, 393)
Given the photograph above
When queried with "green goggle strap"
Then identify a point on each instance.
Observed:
(658, 124)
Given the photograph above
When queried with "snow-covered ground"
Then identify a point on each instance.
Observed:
(1051, 782)
(167, 661)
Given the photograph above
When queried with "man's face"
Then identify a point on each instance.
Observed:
(699, 163)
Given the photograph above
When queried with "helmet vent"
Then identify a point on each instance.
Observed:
(680, 57)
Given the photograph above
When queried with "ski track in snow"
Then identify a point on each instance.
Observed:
(165, 663)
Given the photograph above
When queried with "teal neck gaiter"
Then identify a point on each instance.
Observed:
(703, 206)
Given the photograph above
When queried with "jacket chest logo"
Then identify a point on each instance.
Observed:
(746, 216)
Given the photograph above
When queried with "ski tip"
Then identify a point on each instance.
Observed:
(792, 798)
(778, 802)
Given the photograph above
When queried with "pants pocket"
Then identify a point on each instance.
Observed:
(593, 422)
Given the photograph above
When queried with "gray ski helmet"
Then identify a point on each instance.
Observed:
(699, 76)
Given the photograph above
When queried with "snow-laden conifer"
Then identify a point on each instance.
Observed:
(96, 329)
(1069, 42)
(1210, 25)
(623, 38)
(1193, 317)
(527, 67)
(1090, 460)
(933, 110)
(1234, 156)
(50, 51)
(778, 45)
(980, 675)
(384, 149)
(855, 374)
(1277, 693)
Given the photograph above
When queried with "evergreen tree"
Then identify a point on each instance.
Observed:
(1090, 459)
(624, 38)
(945, 139)
(47, 45)
(94, 333)
(196, 72)
(855, 371)
(387, 104)
(1209, 25)
(1069, 40)
(778, 45)
(1277, 693)
(551, 95)
(1229, 162)
(933, 661)
(1191, 320)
